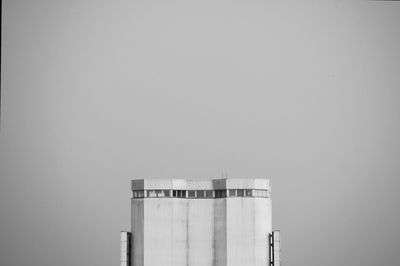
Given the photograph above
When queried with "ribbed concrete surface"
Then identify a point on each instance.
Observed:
(219, 232)
(137, 224)
(231, 231)
(200, 232)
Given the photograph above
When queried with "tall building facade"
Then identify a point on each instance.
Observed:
(221, 222)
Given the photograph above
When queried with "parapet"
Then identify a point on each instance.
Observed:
(214, 184)
(215, 188)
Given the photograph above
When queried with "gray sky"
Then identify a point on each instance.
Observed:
(95, 93)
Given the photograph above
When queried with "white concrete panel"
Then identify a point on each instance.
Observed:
(179, 184)
(262, 229)
(261, 183)
(158, 184)
(248, 227)
(241, 183)
(236, 183)
(240, 231)
(201, 185)
(179, 232)
(124, 236)
(200, 231)
(157, 231)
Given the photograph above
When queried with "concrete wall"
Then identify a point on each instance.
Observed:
(220, 240)
(240, 231)
(158, 218)
(179, 228)
(248, 223)
(200, 231)
(169, 237)
(137, 229)
(231, 231)
(263, 227)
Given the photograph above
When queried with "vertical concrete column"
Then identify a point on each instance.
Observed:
(179, 226)
(179, 231)
(220, 239)
(200, 224)
(137, 229)
(220, 229)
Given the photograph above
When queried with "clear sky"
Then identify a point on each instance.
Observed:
(95, 93)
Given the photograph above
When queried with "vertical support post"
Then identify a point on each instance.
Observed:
(126, 248)
(275, 248)
(271, 249)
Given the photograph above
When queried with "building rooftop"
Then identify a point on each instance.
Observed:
(213, 184)
(215, 188)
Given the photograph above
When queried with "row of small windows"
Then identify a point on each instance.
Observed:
(205, 194)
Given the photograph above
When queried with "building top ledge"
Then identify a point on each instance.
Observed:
(212, 184)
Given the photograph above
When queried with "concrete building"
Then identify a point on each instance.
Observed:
(221, 222)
